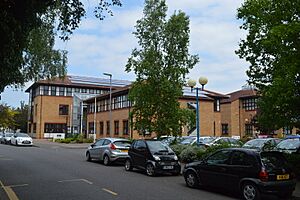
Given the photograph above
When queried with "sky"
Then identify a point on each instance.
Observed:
(105, 46)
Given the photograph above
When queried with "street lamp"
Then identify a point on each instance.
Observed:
(110, 114)
(192, 83)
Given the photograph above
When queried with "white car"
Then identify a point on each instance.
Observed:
(21, 139)
(6, 138)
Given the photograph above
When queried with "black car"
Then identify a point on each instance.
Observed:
(247, 171)
(152, 156)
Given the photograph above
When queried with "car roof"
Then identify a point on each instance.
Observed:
(114, 139)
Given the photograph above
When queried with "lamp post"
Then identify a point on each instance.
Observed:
(95, 112)
(192, 83)
(110, 114)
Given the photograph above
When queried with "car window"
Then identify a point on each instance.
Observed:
(106, 142)
(122, 143)
(289, 144)
(157, 146)
(241, 158)
(273, 161)
(221, 157)
(8, 134)
(139, 144)
(22, 135)
(99, 142)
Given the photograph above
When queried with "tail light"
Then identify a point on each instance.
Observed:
(263, 175)
(112, 146)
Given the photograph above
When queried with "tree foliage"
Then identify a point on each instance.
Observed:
(7, 115)
(21, 118)
(27, 36)
(160, 65)
(272, 47)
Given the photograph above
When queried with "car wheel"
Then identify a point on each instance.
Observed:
(128, 166)
(16, 143)
(191, 179)
(106, 160)
(250, 191)
(150, 170)
(88, 156)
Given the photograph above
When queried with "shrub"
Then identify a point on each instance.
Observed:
(178, 148)
(191, 153)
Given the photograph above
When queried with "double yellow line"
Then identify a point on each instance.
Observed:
(10, 193)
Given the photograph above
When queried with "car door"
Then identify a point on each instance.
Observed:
(214, 168)
(94, 151)
(138, 154)
(103, 148)
(13, 139)
(241, 165)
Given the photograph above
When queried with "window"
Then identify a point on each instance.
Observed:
(34, 128)
(106, 142)
(61, 91)
(99, 142)
(63, 109)
(83, 90)
(77, 90)
(217, 105)
(107, 127)
(91, 127)
(101, 127)
(125, 127)
(248, 129)
(224, 129)
(55, 128)
(116, 123)
(91, 91)
(241, 158)
(53, 91)
(221, 157)
(250, 104)
(46, 90)
(140, 144)
(69, 91)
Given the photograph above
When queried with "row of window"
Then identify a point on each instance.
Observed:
(116, 127)
(250, 104)
(64, 91)
(104, 105)
(248, 129)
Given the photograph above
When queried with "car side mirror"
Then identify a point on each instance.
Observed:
(92, 145)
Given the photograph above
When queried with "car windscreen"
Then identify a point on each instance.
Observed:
(289, 144)
(122, 143)
(255, 143)
(8, 134)
(273, 161)
(188, 140)
(206, 140)
(22, 135)
(158, 147)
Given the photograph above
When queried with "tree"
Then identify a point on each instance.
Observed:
(6, 117)
(21, 118)
(160, 66)
(272, 49)
(27, 37)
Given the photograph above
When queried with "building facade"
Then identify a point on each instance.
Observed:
(56, 106)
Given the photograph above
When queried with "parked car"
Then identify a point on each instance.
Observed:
(222, 140)
(21, 139)
(191, 140)
(249, 172)
(174, 140)
(1, 136)
(291, 145)
(263, 144)
(108, 150)
(6, 138)
(152, 156)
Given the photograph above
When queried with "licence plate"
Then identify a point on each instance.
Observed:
(168, 167)
(124, 150)
(283, 177)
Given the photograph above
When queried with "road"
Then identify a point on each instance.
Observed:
(48, 171)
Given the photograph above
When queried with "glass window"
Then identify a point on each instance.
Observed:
(122, 143)
(249, 129)
(83, 90)
(106, 142)
(77, 90)
(46, 90)
(61, 91)
(101, 127)
(107, 127)
(99, 142)
(69, 91)
(221, 157)
(217, 105)
(55, 128)
(91, 127)
(116, 124)
(224, 129)
(53, 91)
(241, 158)
(250, 104)
(125, 127)
(63, 109)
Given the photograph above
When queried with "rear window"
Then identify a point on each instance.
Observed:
(273, 161)
(122, 143)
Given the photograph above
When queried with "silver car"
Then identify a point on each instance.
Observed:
(108, 150)
(6, 138)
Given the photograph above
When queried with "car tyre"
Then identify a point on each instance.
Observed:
(16, 143)
(106, 160)
(250, 191)
(88, 156)
(150, 171)
(128, 165)
(191, 179)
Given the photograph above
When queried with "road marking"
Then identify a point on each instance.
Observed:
(20, 185)
(109, 191)
(73, 180)
(10, 193)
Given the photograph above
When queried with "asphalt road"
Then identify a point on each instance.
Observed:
(53, 172)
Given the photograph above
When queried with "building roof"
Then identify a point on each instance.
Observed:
(81, 81)
(240, 94)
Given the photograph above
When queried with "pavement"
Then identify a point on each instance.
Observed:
(296, 194)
